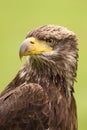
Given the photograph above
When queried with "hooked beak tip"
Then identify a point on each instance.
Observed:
(23, 49)
(20, 53)
(20, 57)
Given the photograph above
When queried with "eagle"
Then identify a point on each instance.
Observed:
(40, 97)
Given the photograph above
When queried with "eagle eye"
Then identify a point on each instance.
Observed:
(50, 40)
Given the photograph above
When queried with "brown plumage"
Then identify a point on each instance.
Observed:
(40, 97)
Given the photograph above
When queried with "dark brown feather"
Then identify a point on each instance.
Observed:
(41, 95)
(25, 107)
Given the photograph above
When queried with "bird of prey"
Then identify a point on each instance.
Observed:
(40, 97)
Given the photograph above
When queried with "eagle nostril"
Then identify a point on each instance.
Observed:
(32, 42)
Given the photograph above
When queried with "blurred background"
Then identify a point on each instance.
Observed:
(20, 16)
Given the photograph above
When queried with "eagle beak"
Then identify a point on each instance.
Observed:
(23, 48)
(27, 47)
(32, 46)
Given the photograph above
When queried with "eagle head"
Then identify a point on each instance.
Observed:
(48, 40)
(54, 46)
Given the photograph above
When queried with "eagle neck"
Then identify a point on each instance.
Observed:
(49, 74)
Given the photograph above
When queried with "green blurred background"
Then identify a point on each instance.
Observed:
(20, 16)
